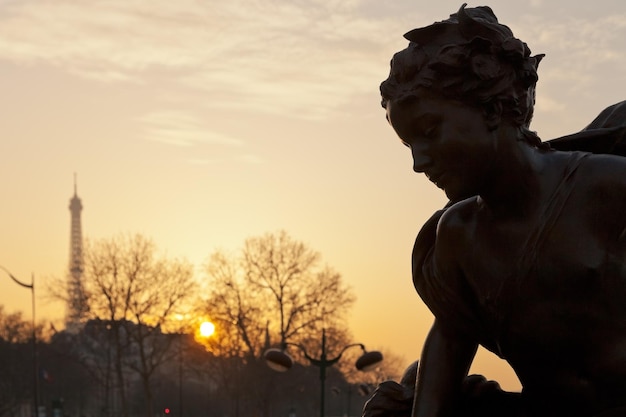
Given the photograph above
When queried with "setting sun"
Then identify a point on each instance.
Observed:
(207, 329)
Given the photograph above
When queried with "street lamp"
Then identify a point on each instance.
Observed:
(278, 360)
(31, 287)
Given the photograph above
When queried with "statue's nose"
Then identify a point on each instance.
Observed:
(421, 160)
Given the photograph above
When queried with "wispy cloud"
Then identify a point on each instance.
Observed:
(304, 58)
(582, 67)
(251, 159)
(245, 159)
(182, 129)
(582, 47)
(274, 56)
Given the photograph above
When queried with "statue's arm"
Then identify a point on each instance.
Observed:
(449, 348)
(445, 362)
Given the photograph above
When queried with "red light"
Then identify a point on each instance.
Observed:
(167, 411)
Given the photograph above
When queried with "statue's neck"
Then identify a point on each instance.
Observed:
(520, 179)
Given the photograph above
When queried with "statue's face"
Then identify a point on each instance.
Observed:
(450, 142)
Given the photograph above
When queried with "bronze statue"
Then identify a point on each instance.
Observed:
(528, 259)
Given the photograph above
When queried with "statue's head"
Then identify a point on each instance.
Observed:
(471, 58)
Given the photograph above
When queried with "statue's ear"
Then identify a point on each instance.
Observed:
(493, 114)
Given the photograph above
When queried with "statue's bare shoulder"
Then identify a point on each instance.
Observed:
(454, 230)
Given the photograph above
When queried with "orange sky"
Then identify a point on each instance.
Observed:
(200, 124)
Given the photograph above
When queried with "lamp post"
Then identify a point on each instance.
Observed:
(180, 374)
(278, 360)
(31, 287)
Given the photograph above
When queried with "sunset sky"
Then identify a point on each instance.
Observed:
(200, 123)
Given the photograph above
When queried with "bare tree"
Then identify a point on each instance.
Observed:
(15, 357)
(14, 328)
(302, 294)
(238, 315)
(137, 293)
(275, 286)
(234, 308)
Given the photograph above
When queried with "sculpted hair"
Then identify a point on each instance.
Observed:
(472, 58)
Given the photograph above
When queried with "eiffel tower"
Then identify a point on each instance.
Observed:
(77, 306)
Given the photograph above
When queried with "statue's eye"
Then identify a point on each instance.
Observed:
(431, 132)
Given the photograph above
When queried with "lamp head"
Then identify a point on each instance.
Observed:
(278, 360)
(368, 360)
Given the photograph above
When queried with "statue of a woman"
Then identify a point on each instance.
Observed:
(529, 257)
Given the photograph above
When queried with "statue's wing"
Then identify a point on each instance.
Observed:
(605, 134)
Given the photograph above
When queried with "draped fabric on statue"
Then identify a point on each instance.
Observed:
(606, 134)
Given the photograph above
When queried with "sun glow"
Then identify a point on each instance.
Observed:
(207, 329)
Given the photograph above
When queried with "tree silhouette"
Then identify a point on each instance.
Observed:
(138, 294)
(274, 290)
